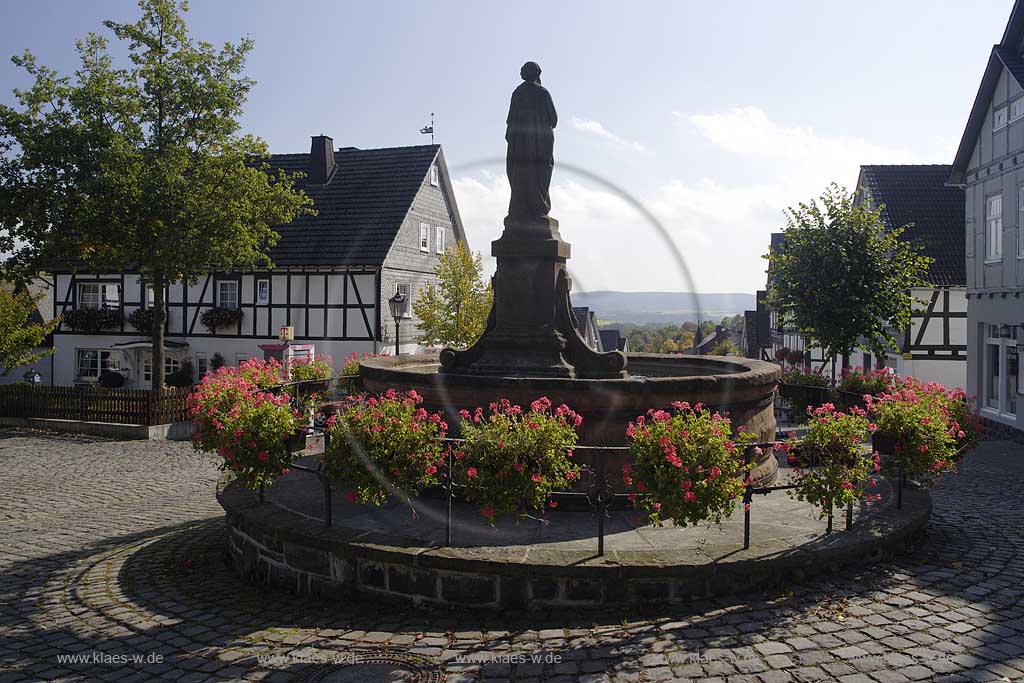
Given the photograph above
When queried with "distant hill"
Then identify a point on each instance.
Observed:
(662, 307)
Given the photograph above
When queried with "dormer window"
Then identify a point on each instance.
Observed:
(433, 176)
(1016, 109)
(999, 118)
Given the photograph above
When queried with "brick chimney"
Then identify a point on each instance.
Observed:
(321, 160)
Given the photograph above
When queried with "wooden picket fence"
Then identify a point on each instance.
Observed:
(94, 404)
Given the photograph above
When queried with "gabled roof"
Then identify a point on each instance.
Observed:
(917, 193)
(1005, 54)
(360, 210)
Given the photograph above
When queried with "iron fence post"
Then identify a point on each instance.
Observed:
(900, 478)
(448, 521)
(849, 515)
(748, 496)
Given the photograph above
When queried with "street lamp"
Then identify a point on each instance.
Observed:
(397, 304)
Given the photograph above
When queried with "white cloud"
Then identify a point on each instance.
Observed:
(720, 226)
(596, 128)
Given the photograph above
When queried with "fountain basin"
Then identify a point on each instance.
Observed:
(740, 387)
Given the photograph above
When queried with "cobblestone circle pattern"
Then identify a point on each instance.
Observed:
(114, 552)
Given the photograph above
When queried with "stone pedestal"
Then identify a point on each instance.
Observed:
(531, 331)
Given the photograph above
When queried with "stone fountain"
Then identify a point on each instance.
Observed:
(303, 538)
(531, 346)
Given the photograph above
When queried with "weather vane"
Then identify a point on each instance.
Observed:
(429, 130)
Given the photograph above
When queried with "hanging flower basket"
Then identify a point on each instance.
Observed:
(218, 317)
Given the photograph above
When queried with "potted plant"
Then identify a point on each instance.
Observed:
(830, 466)
(236, 417)
(924, 428)
(314, 374)
(141, 319)
(511, 459)
(384, 443)
(218, 317)
(780, 354)
(93, 319)
(803, 390)
(689, 466)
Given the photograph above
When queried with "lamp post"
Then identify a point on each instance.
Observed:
(397, 304)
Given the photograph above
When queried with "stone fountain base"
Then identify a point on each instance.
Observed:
(385, 551)
(741, 387)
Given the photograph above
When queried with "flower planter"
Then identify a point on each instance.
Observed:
(885, 444)
(297, 441)
(311, 387)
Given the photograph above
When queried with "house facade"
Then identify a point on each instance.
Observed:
(989, 166)
(384, 216)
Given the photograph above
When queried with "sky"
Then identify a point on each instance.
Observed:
(685, 127)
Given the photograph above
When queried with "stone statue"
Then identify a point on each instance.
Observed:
(531, 140)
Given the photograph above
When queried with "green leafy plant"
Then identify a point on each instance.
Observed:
(831, 466)
(875, 382)
(380, 444)
(310, 369)
(93, 319)
(454, 312)
(218, 317)
(511, 460)
(725, 348)
(216, 361)
(689, 467)
(142, 319)
(19, 337)
(931, 427)
(248, 426)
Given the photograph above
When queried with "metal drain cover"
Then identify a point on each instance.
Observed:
(375, 666)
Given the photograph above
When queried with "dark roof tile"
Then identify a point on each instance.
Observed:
(917, 194)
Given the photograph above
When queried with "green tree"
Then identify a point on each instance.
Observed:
(684, 339)
(841, 279)
(19, 337)
(455, 312)
(668, 346)
(724, 348)
(143, 167)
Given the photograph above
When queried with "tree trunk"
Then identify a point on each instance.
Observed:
(159, 318)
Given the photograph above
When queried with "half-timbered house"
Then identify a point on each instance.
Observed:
(384, 216)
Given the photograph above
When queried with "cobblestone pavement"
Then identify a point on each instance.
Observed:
(111, 550)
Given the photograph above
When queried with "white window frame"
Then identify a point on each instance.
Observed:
(170, 365)
(1020, 219)
(994, 228)
(103, 295)
(434, 176)
(1000, 117)
(439, 233)
(102, 361)
(424, 237)
(220, 293)
(406, 289)
(202, 363)
(262, 297)
(1006, 400)
(150, 294)
(241, 358)
(1016, 109)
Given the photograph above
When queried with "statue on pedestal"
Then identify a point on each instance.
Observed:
(531, 140)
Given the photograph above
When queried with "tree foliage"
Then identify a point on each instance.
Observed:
(19, 337)
(140, 167)
(724, 348)
(454, 313)
(841, 278)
